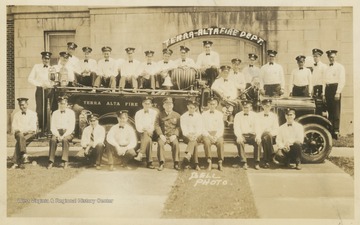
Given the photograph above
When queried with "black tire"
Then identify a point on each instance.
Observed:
(317, 144)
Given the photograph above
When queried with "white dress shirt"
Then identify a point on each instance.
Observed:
(99, 135)
(89, 66)
(245, 124)
(213, 122)
(226, 88)
(145, 120)
(250, 73)
(24, 123)
(68, 70)
(238, 78)
(73, 64)
(64, 120)
(123, 137)
(269, 123)
(39, 75)
(207, 61)
(335, 74)
(301, 78)
(129, 69)
(166, 66)
(108, 68)
(318, 74)
(189, 62)
(191, 124)
(290, 134)
(148, 70)
(272, 74)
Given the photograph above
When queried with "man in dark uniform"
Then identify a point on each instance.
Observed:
(167, 126)
(335, 82)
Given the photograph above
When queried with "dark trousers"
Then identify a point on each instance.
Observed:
(111, 151)
(65, 147)
(300, 91)
(267, 145)
(317, 90)
(219, 147)
(175, 149)
(294, 154)
(107, 82)
(96, 153)
(146, 83)
(192, 147)
(86, 80)
(272, 90)
(22, 140)
(41, 95)
(250, 140)
(210, 75)
(126, 82)
(145, 145)
(333, 106)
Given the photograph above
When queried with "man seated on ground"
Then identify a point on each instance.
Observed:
(122, 140)
(92, 141)
(290, 140)
(24, 126)
(192, 128)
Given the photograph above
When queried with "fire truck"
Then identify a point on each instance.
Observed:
(105, 102)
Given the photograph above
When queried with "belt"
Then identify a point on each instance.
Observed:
(333, 84)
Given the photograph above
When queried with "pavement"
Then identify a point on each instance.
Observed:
(318, 191)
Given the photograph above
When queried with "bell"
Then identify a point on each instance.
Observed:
(167, 82)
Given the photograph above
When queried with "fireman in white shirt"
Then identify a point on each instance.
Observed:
(192, 129)
(65, 70)
(251, 71)
(39, 77)
(92, 140)
(318, 74)
(147, 72)
(62, 128)
(107, 70)
(128, 70)
(300, 80)
(245, 132)
(122, 140)
(267, 128)
(237, 76)
(213, 131)
(24, 126)
(184, 61)
(289, 141)
(73, 61)
(165, 67)
(88, 69)
(145, 125)
(209, 63)
(335, 83)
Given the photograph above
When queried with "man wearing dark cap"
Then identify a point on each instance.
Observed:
(145, 125)
(245, 132)
(318, 74)
(289, 140)
(122, 140)
(39, 77)
(300, 80)
(24, 126)
(272, 81)
(184, 61)
(186, 72)
(65, 71)
(165, 66)
(128, 70)
(251, 71)
(73, 61)
(107, 70)
(208, 62)
(167, 127)
(267, 127)
(192, 128)
(62, 128)
(335, 83)
(88, 68)
(92, 140)
(213, 124)
(147, 71)
(237, 75)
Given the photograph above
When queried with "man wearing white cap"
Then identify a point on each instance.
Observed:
(208, 62)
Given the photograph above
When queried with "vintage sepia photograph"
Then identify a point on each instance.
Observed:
(157, 113)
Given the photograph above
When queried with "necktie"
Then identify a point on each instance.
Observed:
(251, 65)
(23, 113)
(130, 61)
(63, 111)
(85, 60)
(191, 114)
(235, 73)
(106, 60)
(246, 114)
(266, 115)
(331, 64)
(207, 53)
(45, 66)
(315, 64)
(301, 68)
(289, 125)
(271, 63)
(70, 55)
(225, 80)
(121, 127)
(165, 62)
(92, 135)
(147, 111)
(211, 112)
(148, 63)
(183, 60)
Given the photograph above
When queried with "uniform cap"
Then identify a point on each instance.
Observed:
(225, 67)
(149, 53)
(246, 102)
(271, 52)
(207, 43)
(106, 49)
(167, 51)
(212, 98)
(22, 99)
(253, 56)
(129, 49)
(121, 112)
(192, 102)
(61, 98)
(64, 54)
(236, 61)
(167, 100)
(72, 45)
(148, 98)
(93, 117)
(300, 58)
(46, 55)
(317, 51)
(290, 111)
(329, 52)
(184, 49)
(87, 49)
(266, 101)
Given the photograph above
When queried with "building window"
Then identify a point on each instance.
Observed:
(56, 41)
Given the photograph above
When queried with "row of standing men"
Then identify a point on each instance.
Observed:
(166, 126)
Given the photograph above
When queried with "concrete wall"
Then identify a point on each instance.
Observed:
(289, 30)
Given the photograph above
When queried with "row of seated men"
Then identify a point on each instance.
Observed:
(207, 128)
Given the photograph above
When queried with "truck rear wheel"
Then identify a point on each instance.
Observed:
(317, 144)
